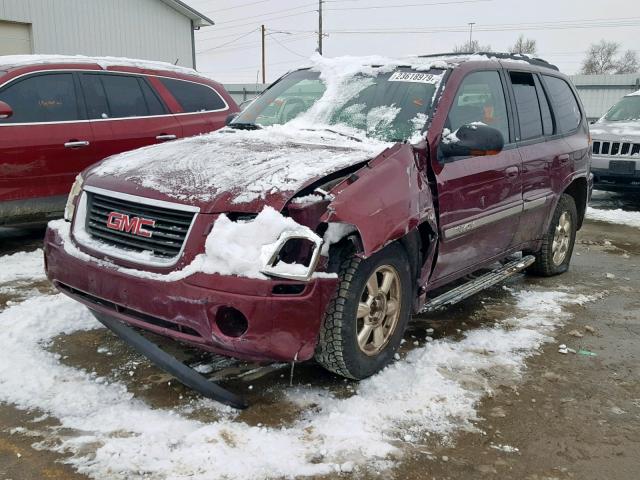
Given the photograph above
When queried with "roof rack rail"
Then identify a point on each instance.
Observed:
(539, 62)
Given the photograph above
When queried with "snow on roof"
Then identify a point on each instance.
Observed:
(14, 61)
(634, 94)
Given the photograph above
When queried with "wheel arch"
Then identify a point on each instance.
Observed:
(578, 189)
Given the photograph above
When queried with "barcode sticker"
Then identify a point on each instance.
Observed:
(415, 77)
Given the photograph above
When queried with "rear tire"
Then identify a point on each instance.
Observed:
(368, 314)
(554, 256)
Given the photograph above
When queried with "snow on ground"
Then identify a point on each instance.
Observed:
(22, 266)
(434, 390)
(622, 217)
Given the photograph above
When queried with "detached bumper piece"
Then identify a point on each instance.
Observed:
(468, 289)
(171, 365)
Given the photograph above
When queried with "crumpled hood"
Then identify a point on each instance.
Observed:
(616, 131)
(232, 170)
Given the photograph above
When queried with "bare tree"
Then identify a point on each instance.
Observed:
(524, 45)
(471, 47)
(601, 59)
(628, 63)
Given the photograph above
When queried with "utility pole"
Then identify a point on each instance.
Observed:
(320, 27)
(264, 74)
(471, 24)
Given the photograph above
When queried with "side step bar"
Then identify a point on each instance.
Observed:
(171, 365)
(477, 285)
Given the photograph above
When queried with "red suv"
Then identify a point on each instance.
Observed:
(58, 115)
(333, 207)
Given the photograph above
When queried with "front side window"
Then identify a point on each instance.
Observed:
(480, 99)
(527, 104)
(389, 105)
(626, 110)
(194, 97)
(564, 103)
(42, 98)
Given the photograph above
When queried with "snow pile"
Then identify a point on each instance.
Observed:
(7, 61)
(22, 266)
(435, 390)
(622, 217)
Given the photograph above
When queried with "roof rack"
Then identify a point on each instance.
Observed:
(539, 62)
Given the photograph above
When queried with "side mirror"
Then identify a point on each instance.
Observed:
(230, 118)
(5, 110)
(474, 139)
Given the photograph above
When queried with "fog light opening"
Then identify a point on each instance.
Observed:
(231, 322)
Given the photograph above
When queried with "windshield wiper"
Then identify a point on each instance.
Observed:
(245, 126)
(338, 133)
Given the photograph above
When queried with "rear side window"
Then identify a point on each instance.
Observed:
(129, 96)
(42, 98)
(529, 116)
(194, 97)
(547, 121)
(119, 96)
(564, 103)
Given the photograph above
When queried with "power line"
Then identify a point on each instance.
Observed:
(228, 43)
(261, 15)
(369, 7)
(268, 19)
(288, 49)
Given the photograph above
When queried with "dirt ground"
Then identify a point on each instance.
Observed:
(572, 416)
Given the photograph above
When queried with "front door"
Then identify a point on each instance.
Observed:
(43, 145)
(479, 197)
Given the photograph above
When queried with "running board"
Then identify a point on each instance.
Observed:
(171, 365)
(477, 285)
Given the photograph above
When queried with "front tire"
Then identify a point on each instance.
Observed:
(368, 314)
(554, 256)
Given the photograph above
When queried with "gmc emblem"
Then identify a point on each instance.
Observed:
(123, 223)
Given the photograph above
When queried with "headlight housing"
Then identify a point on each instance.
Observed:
(76, 189)
(294, 256)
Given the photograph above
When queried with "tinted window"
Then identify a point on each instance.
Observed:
(547, 121)
(564, 103)
(480, 98)
(125, 96)
(529, 117)
(193, 97)
(94, 96)
(154, 104)
(42, 98)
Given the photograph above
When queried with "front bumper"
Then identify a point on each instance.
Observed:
(280, 327)
(611, 179)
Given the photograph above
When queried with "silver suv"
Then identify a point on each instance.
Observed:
(616, 146)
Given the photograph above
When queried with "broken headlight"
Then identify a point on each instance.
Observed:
(293, 256)
(76, 189)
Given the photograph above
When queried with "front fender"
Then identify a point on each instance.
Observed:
(385, 200)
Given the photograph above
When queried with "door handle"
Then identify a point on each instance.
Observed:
(164, 137)
(512, 172)
(76, 144)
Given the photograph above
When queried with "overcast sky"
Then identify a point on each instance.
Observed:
(230, 50)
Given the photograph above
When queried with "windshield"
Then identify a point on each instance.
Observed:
(390, 106)
(625, 110)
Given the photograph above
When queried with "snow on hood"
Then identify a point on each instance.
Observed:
(607, 130)
(234, 167)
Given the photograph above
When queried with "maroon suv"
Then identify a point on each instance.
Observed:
(58, 115)
(333, 207)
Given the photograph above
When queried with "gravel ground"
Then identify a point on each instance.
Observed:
(561, 416)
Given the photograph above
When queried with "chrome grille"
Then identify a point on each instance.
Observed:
(618, 149)
(165, 237)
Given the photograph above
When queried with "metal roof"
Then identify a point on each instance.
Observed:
(199, 20)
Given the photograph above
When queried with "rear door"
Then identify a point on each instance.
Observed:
(479, 198)
(45, 143)
(126, 113)
(202, 108)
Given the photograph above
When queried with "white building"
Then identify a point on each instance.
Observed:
(146, 29)
(600, 92)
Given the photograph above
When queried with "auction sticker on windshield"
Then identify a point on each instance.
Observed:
(412, 77)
